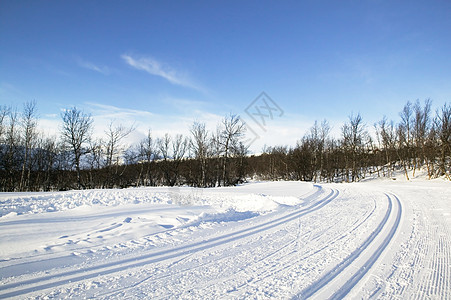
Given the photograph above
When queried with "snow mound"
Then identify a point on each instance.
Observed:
(34, 203)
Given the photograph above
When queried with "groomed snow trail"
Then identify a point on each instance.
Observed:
(279, 240)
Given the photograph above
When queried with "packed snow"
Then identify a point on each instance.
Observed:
(286, 240)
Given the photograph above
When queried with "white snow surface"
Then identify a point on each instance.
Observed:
(384, 239)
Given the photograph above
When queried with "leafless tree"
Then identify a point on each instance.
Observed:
(405, 134)
(9, 158)
(148, 153)
(172, 152)
(4, 111)
(200, 145)
(115, 134)
(318, 137)
(354, 137)
(421, 129)
(216, 153)
(76, 133)
(443, 129)
(44, 156)
(386, 136)
(164, 146)
(28, 124)
(231, 132)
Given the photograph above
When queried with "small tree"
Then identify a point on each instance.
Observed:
(443, 130)
(115, 134)
(148, 153)
(405, 133)
(28, 124)
(200, 145)
(231, 132)
(9, 148)
(354, 138)
(172, 151)
(421, 129)
(318, 138)
(76, 132)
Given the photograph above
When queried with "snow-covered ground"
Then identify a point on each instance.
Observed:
(380, 239)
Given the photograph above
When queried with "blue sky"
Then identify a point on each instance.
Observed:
(163, 64)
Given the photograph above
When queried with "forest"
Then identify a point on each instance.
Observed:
(32, 161)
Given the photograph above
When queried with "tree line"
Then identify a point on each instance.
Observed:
(420, 140)
(32, 161)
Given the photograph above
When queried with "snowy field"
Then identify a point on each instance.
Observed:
(284, 240)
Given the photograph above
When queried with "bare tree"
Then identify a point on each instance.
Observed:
(95, 160)
(28, 124)
(4, 111)
(164, 146)
(240, 152)
(200, 144)
(148, 153)
(115, 134)
(386, 135)
(148, 148)
(172, 152)
(179, 147)
(443, 129)
(302, 157)
(421, 128)
(405, 133)
(318, 137)
(45, 157)
(9, 158)
(354, 138)
(217, 150)
(76, 132)
(231, 132)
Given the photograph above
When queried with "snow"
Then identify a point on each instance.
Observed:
(379, 238)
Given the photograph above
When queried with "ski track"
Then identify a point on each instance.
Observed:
(36, 284)
(286, 262)
(391, 248)
(422, 266)
(436, 276)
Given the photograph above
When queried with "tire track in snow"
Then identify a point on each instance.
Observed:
(51, 281)
(345, 288)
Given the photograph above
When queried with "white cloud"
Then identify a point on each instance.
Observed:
(142, 121)
(184, 104)
(90, 66)
(113, 112)
(154, 67)
(285, 130)
(50, 125)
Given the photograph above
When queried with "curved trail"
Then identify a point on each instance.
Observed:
(72, 276)
(344, 240)
(362, 267)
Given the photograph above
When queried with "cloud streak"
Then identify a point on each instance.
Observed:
(156, 68)
(90, 66)
(113, 112)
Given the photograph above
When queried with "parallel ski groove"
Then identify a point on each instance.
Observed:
(51, 281)
(329, 276)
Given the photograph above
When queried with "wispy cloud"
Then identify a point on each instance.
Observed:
(113, 112)
(278, 132)
(185, 104)
(93, 67)
(154, 67)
